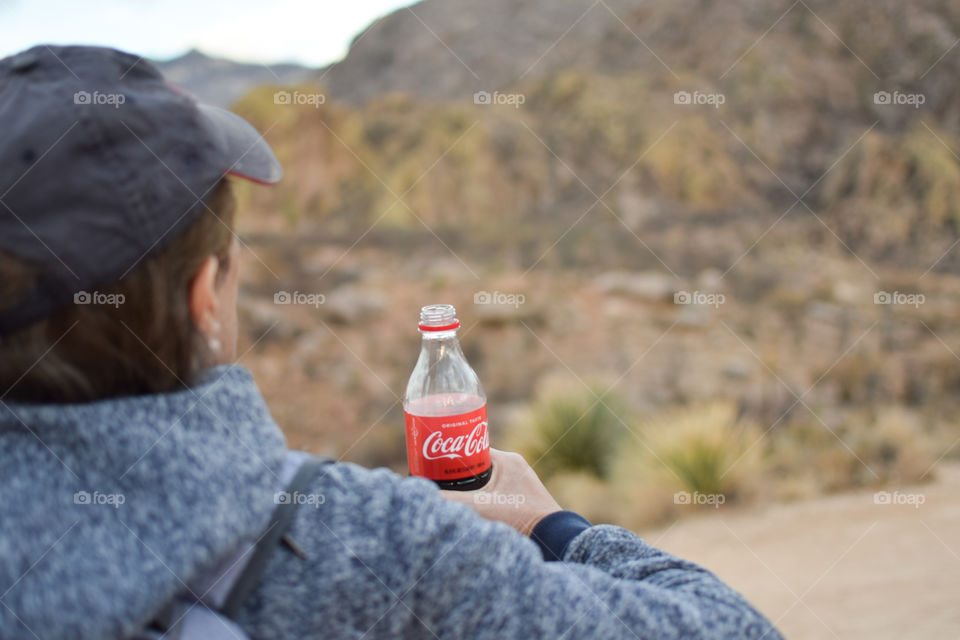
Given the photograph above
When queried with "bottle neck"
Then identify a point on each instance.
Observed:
(439, 345)
(442, 369)
(434, 336)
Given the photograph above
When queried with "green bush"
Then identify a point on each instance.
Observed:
(576, 430)
(704, 448)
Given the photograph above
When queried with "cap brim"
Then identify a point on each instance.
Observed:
(246, 154)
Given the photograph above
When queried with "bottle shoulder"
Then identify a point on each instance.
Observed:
(441, 368)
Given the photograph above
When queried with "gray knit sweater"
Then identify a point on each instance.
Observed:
(111, 508)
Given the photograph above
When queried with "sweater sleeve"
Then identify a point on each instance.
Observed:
(388, 557)
(554, 533)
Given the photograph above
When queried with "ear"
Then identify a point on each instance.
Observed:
(203, 296)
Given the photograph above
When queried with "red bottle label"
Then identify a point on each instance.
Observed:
(448, 447)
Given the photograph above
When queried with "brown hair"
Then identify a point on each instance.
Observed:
(146, 344)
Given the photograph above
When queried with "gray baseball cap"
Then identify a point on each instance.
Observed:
(102, 162)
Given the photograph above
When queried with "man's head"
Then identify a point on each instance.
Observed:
(118, 263)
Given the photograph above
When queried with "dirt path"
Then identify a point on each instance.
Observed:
(841, 566)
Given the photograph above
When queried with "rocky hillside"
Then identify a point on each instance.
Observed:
(447, 49)
(794, 113)
(798, 83)
(221, 82)
(797, 158)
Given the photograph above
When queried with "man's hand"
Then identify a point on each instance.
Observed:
(514, 494)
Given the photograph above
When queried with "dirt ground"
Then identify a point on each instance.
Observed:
(842, 566)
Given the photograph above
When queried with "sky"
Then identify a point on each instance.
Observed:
(311, 33)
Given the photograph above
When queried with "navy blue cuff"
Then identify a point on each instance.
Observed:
(554, 533)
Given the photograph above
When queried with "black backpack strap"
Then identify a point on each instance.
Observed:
(276, 532)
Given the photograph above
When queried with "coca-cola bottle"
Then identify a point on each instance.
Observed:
(446, 408)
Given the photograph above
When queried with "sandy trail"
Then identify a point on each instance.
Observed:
(841, 566)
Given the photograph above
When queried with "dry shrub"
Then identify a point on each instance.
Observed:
(573, 429)
(887, 446)
(895, 445)
(858, 378)
(704, 449)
